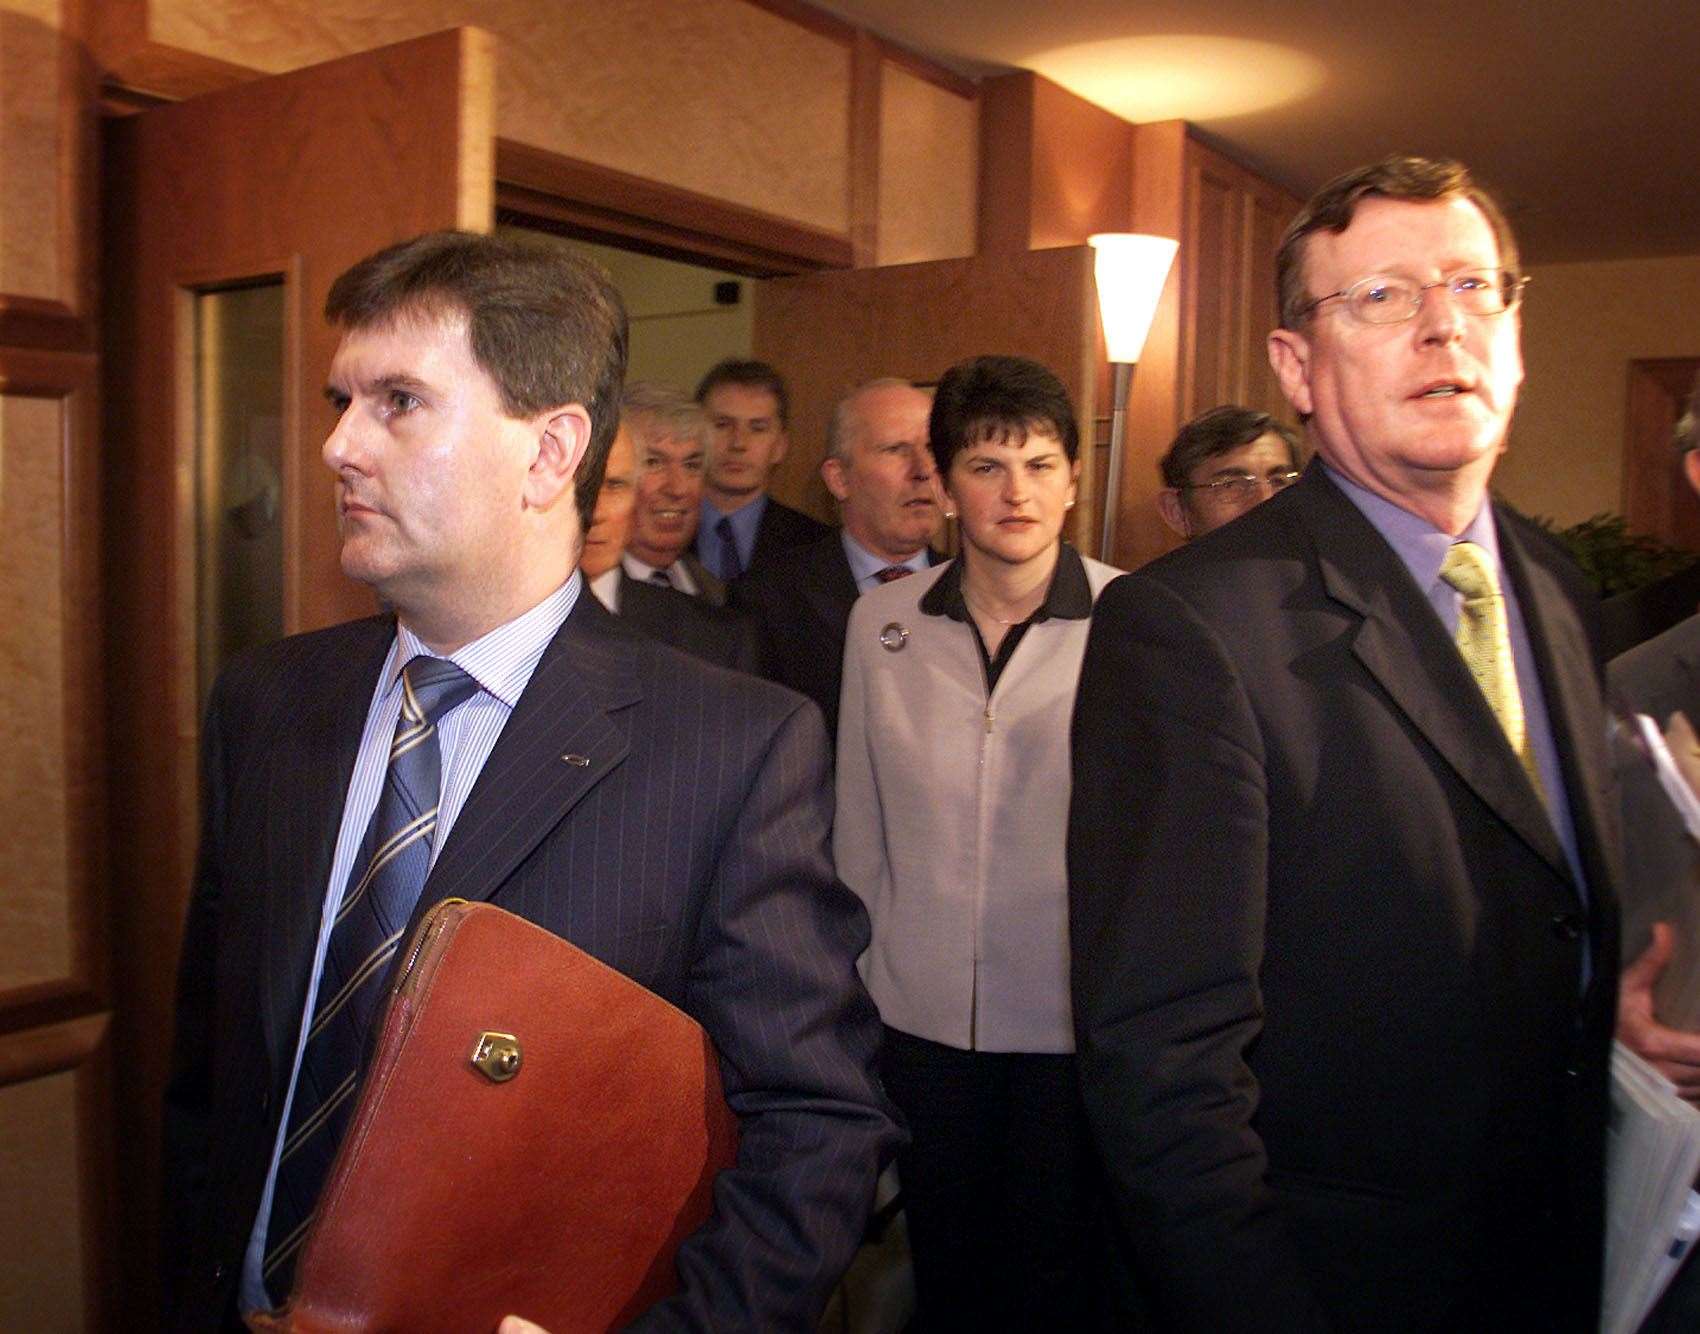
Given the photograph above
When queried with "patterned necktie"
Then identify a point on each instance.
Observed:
(1484, 638)
(659, 579)
(730, 566)
(893, 572)
(383, 887)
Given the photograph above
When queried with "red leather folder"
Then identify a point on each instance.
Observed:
(536, 1134)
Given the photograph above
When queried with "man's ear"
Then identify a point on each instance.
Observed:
(1173, 509)
(563, 439)
(832, 473)
(1289, 358)
(783, 444)
(1691, 468)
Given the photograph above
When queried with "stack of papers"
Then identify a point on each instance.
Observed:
(1652, 1215)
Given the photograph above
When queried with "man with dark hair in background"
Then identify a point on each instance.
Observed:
(496, 735)
(1220, 464)
(880, 470)
(1343, 853)
(742, 527)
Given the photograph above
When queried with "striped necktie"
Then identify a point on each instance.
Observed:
(1484, 638)
(383, 887)
(892, 573)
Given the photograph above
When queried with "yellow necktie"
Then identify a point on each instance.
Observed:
(1484, 638)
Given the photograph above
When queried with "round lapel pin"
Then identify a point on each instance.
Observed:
(894, 637)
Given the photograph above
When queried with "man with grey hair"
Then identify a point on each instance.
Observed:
(671, 433)
(879, 469)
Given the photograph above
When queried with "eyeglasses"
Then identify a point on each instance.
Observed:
(1384, 299)
(1245, 487)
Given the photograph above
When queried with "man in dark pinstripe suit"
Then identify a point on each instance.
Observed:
(666, 816)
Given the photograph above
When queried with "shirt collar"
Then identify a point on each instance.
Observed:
(1416, 541)
(865, 565)
(606, 587)
(1069, 596)
(502, 660)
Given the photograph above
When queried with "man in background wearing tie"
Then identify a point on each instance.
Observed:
(880, 470)
(1343, 853)
(742, 526)
(496, 735)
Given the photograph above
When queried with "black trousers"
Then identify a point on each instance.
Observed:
(998, 1188)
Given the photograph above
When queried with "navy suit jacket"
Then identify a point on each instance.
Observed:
(691, 854)
(801, 600)
(1328, 951)
(716, 634)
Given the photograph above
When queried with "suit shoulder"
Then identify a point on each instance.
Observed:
(314, 657)
(1649, 676)
(675, 671)
(796, 526)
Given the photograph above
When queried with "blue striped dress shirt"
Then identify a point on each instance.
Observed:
(502, 662)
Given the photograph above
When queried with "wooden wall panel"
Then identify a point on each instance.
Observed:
(929, 185)
(828, 332)
(45, 182)
(1055, 168)
(42, 1264)
(35, 925)
(720, 97)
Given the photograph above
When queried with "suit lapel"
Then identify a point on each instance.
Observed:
(1403, 645)
(831, 587)
(1564, 661)
(571, 708)
(311, 766)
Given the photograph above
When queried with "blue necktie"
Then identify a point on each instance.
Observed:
(730, 566)
(377, 902)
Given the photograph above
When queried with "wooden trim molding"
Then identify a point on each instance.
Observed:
(922, 68)
(865, 85)
(539, 187)
(33, 322)
(35, 1052)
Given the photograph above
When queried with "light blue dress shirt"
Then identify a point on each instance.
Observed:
(745, 521)
(865, 566)
(1423, 547)
(502, 662)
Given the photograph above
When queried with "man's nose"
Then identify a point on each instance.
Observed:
(1440, 315)
(341, 448)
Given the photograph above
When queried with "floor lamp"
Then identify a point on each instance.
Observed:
(1131, 272)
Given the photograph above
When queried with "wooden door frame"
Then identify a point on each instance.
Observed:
(1656, 497)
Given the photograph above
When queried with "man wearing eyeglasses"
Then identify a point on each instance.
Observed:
(1221, 464)
(1342, 850)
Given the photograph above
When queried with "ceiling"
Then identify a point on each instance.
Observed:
(1583, 118)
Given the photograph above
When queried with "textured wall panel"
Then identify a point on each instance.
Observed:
(715, 96)
(33, 126)
(929, 169)
(34, 874)
(41, 1264)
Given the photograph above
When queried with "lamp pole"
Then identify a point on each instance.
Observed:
(1131, 270)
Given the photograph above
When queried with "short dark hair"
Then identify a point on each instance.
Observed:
(1415, 179)
(998, 398)
(1216, 432)
(751, 374)
(547, 326)
(1688, 428)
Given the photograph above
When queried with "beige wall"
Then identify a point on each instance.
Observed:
(1582, 325)
(677, 330)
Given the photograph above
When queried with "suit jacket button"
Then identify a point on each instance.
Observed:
(1567, 926)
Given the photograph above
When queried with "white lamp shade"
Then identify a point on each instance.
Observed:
(1131, 272)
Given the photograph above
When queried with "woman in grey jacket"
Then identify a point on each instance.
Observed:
(953, 786)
